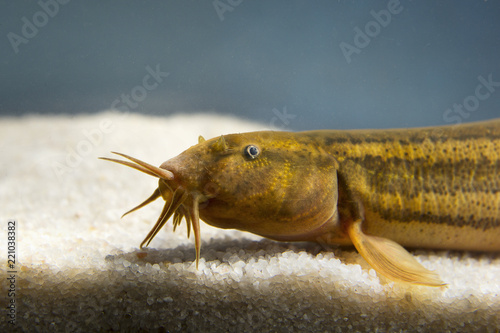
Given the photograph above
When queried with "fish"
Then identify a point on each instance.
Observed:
(380, 190)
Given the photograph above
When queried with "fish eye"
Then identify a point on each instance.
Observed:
(252, 151)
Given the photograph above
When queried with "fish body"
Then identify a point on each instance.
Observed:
(428, 188)
(378, 190)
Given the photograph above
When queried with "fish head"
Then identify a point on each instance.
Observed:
(280, 185)
(275, 184)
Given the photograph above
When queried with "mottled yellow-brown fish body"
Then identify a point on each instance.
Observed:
(433, 188)
(376, 189)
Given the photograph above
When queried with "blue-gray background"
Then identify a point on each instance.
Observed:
(255, 60)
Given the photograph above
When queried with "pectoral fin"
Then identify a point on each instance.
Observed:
(391, 259)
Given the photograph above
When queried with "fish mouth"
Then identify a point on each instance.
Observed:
(179, 202)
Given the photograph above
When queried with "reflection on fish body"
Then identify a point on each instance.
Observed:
(378, 190)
